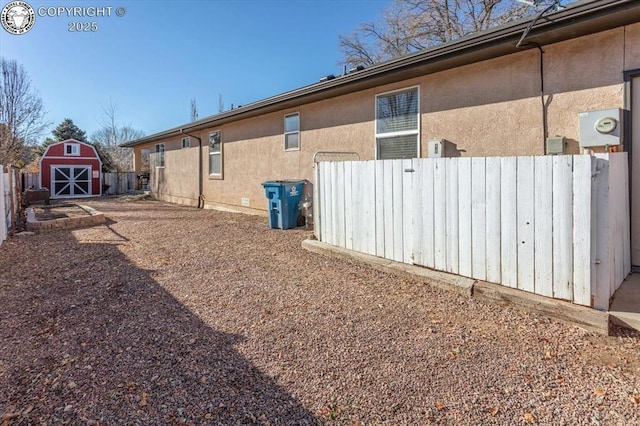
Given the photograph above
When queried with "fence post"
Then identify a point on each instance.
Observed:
(3, 210)
(601, 261)
(583, 229)
(316, 201)
(12, 202)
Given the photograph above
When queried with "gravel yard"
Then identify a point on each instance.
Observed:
(170, 314)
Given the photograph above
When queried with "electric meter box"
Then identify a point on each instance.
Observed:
(601, 128)
(435, 148)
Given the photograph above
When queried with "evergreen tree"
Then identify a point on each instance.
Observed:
(68, 130)
(108, 164)
(65, 130)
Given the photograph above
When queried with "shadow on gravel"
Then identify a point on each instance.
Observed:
(100, 342)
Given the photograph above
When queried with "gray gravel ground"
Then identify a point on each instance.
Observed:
(170, 315)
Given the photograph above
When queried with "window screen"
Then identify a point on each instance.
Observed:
(397, 124)
(160, 155)
(292, 131)
(215, 153)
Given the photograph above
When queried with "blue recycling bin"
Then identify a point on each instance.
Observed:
(284, 202)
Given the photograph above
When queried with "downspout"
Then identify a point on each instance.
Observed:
(545, 126)
(200, 195)
(545, 106)
(543, 102)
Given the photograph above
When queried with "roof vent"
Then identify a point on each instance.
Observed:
(355, 69)
(328, 77)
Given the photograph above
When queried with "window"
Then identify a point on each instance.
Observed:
(397, 128)
(215, 154)
(145, 159)
(186, 142)
(160, 155)
(71, 149)
(292, 132)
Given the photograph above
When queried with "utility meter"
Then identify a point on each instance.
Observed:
(606, 125)
(601, 128)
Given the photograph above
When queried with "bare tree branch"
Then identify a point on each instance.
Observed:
(407, 26)
(111, 135)
(194, 110)
(22, 116)
(355, 51)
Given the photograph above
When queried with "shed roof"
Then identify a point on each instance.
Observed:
(46, 151)
(576, 20)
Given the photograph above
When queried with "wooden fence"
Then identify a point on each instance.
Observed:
(119, 183)
(557, 226)
(30, 180)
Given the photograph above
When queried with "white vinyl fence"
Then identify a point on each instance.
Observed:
(4, 192)
(9, 200)
(557, 226)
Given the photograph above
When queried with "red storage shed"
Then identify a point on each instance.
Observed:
(71, 169)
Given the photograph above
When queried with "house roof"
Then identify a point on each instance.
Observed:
(576, 20)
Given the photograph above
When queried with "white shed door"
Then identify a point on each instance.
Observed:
(70, 181)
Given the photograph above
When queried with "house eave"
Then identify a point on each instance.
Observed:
(577, 20)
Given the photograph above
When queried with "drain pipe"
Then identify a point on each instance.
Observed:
(200, 195)
(543, 101)
(545, 118)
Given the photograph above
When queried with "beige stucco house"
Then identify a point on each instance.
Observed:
(502, 92)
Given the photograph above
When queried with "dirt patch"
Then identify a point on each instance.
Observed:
(59, 211)
(171, 314)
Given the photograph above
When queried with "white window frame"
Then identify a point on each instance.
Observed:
(145, 159)
(160, 155)
(293, 132)
(75, 149)
(399, 133)
(215, 175)
(186, 142)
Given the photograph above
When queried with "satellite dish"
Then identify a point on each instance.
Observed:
(533, 3)
(555, 6)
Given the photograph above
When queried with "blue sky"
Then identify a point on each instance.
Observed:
(157, 57)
